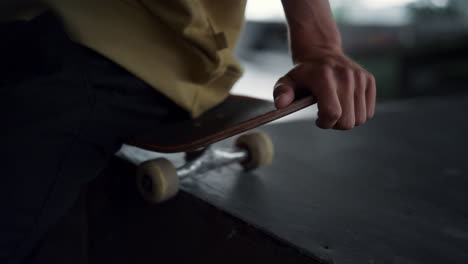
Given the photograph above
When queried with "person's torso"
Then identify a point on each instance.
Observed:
(183, 48)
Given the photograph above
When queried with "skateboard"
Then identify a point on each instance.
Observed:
(158, 179)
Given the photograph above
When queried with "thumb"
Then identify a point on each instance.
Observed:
(283, 93)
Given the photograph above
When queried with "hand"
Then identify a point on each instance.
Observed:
(345, 92)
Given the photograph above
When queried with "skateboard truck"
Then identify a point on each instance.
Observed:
(158, 179)
(209, 159)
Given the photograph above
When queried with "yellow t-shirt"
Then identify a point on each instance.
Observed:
(182, 48)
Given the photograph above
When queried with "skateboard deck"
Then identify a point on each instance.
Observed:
(235, 115)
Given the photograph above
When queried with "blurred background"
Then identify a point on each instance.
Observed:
(413, 47)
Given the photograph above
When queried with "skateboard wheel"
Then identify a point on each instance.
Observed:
(259, 147)
(157, 180)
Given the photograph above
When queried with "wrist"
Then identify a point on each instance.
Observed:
(303, 42)
(312, 52)
(311, 27)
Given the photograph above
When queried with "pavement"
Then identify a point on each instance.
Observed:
(392, 191)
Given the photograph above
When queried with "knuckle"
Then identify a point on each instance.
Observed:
(349, 72)
(343, 71)
(324, 70)
(333, 114)
(348, 75)
(362, 76)
(361, 84)
(329, 61)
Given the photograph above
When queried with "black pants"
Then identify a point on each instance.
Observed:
(64, 111)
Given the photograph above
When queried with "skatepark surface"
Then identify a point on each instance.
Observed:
(392, 191)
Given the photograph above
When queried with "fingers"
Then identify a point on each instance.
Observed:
(346, 94)
(344, 98)
(357, 92)
(328, 102)
(371, 94)
(284, 92)
(360, 108)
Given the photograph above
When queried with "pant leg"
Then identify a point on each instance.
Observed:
(65, 111)
(67, 240)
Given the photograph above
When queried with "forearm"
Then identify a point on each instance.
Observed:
(311, 25)
(345, 92)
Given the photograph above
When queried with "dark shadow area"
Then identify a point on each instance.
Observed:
(125, 229)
